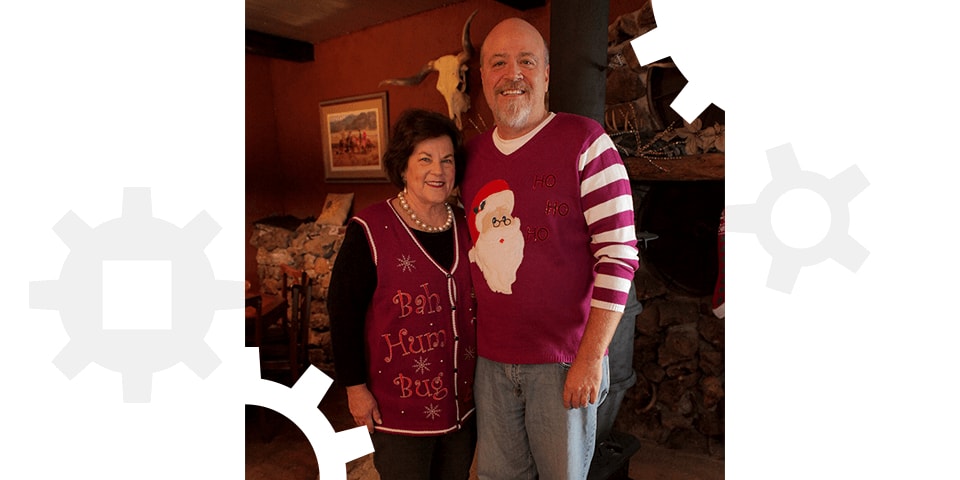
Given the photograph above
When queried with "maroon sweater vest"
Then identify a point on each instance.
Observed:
(420, 330)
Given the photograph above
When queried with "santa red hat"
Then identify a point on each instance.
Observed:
(495, 192)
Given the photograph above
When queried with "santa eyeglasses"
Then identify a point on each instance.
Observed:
(501, 221)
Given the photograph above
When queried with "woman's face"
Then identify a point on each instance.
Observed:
(430, 171)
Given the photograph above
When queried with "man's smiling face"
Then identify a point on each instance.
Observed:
(515, 73)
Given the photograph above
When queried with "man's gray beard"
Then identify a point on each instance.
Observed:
(514, 115)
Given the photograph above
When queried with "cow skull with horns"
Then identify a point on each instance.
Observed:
(452, 76)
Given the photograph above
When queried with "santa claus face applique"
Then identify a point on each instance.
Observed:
(498, 241)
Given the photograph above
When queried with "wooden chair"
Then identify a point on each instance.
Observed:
(300, 318)
(279, 324)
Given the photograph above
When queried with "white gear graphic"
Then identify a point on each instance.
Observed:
(837, 244)
(136, 353)
(698, 61)
(299, 404)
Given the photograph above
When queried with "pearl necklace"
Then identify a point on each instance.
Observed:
(427, 228)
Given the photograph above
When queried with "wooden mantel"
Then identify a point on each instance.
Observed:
(705, 166)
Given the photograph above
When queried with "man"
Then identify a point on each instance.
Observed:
(550, 293)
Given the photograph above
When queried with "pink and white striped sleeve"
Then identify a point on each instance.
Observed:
(608, 209)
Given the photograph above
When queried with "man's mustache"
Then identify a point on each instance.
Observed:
(513, 85)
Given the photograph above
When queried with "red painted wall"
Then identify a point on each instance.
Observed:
(284, 164)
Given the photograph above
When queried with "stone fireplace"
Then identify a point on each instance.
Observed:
(678, 342)
(677, 176)
(305, 245)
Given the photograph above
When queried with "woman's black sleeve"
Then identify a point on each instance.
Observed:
(352, 284)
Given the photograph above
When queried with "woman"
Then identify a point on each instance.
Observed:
(401, 310)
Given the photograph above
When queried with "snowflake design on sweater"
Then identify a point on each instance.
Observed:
(406, 264)
(421, 365)
(469, 353)
(432, 411)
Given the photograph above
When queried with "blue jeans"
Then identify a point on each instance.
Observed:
(523, 429)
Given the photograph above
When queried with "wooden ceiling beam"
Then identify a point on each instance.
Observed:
(523, 4)
(273, 46)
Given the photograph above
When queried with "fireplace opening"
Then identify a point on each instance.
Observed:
(685, 216)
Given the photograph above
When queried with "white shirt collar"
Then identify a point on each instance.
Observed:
(507, 147)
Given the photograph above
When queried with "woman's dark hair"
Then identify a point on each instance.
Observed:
(414, 126)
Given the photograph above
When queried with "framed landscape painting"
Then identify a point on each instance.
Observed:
(354, 132)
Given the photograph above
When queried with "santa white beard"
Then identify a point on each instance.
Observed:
(498, 253)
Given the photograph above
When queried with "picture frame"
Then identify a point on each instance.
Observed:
(354, 137)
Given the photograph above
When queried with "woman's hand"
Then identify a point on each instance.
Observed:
(363, 407)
